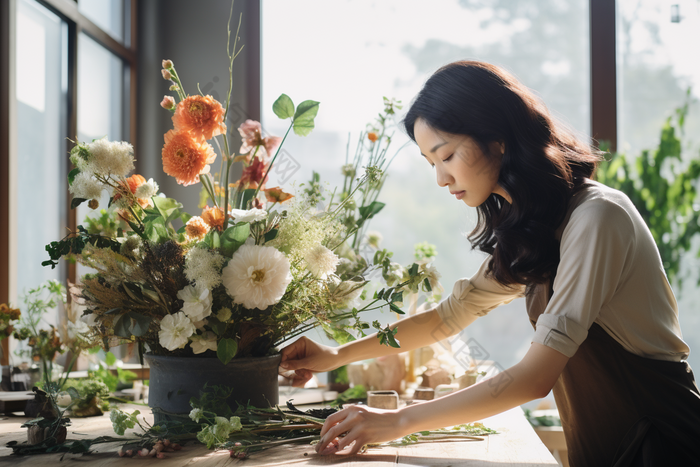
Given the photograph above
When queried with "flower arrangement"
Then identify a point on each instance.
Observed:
(256, 267)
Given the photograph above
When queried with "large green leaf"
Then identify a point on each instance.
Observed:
(304, 117)
(367, 212)
(234, 237)
(168, 208)
(226, 350)
(141, 323)
(283, 107)
(122, 325)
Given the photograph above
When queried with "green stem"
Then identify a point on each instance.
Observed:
(267, 172)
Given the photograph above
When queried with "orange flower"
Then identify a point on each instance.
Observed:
(203, 116)
(214, 217)
(372, 136)
(196, 228)
(276, 195)
(253, 174)
(132, 183)
(185, 158)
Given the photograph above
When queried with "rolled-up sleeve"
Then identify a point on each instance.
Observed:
(474, 297)
(596, 251)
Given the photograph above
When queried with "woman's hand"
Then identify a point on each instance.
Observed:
(361, 424)
(306, 357)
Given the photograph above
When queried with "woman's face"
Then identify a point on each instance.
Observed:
(460, 165)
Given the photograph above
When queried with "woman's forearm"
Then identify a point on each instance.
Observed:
(532, 378)
(415, 331)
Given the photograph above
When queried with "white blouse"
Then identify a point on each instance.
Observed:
(610, 273)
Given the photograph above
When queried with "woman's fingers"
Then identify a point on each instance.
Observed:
(300, 378)
(332, 419)
(332, 433)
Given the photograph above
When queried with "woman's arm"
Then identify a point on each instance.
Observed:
(415, 331)
(531, 378)
(304, 357)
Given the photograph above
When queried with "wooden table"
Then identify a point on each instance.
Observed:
(515, 445)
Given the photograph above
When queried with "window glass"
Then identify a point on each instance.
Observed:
(107, 14)
(101, 103)
(41, 144)
(372, 49)
(657, 45)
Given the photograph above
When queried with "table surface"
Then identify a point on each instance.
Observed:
(516, 444)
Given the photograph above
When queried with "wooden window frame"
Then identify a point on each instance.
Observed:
(68, 11)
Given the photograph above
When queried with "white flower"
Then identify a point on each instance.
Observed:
(196, 414)
(147, 190)
(201, 344)
(175, 330)
(197, 300)
(203, 267)
(77, 329)
(224, 315)
(321, 261)
(433, 277)
(251, 215)
(107, 158)
(345, 293)
(85, 186)
(257, 276)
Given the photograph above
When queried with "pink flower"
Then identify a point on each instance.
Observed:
(167, 64)
(251, 132)
(168, 102)
(166, 74)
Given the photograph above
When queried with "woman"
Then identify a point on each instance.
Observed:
(607, 338)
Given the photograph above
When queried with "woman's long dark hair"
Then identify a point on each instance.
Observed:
(542, 167)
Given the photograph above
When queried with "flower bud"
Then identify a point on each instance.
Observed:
(160, 455)
(372, 136)
(168, 102)
(93, 204)
(143, 452)
(129, 452)
(166, 74)
(167, 64)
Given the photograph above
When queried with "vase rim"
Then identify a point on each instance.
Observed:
(244, 359)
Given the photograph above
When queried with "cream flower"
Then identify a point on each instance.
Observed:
(196, 414)
(321, 261)
(147, 190)
(203, 267)
(175, 330)
(433, 278)
(250, 215)
(201, 344)
(257, 276)
(76, 330)
(85, 186)
(197, 300)
(114, 158)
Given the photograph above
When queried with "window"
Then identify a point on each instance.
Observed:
(71, 74)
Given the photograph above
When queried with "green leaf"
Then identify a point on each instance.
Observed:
(226, 350)
(234, 237)
(74, 394)
(413, 270)
(283, 107)
(122, 325)
(392, 340)
(141, 323)
(367, 212)
(168, 208)
(72, 174)
(396, 309)
(304, 117)
(426, 283)
(110, 359)
(75, 202)
(271, 235)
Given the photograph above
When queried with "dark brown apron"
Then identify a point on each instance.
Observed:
(619, 409)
